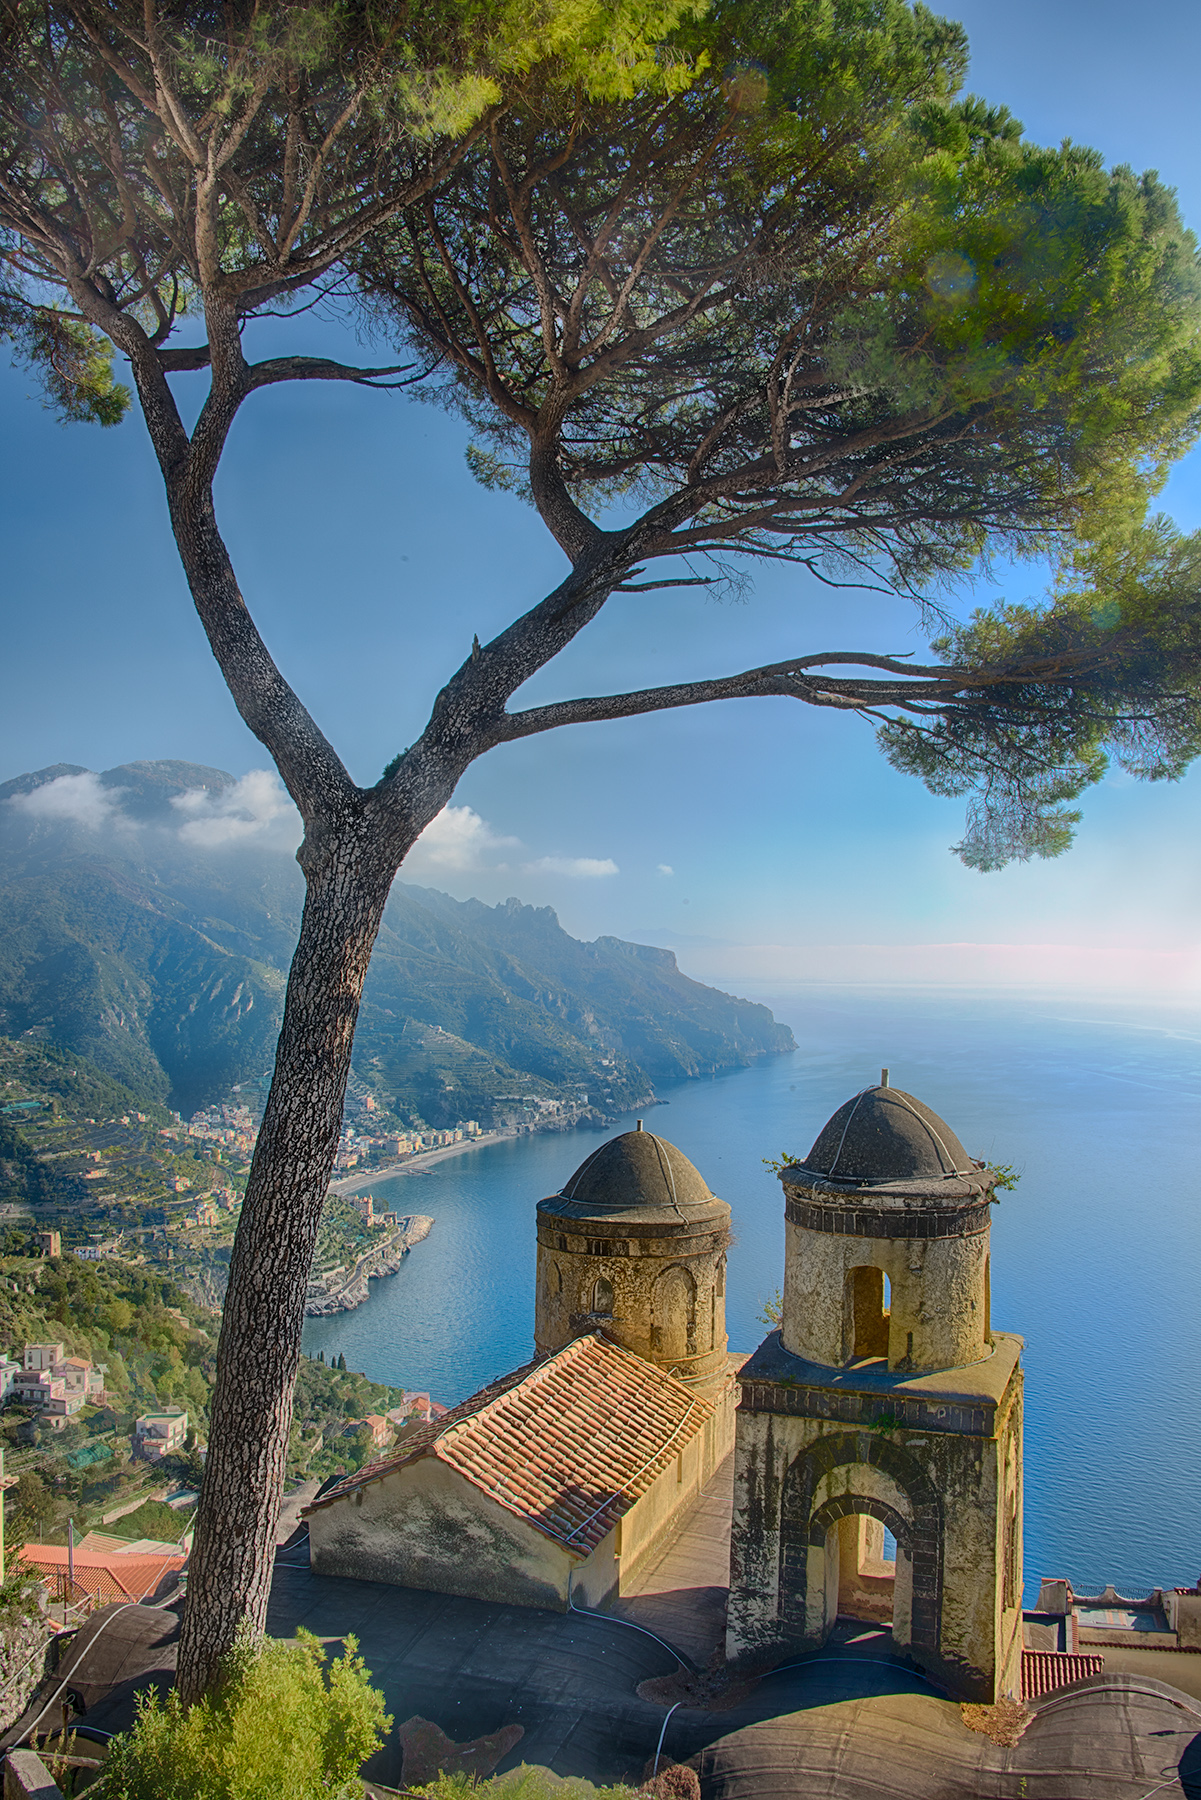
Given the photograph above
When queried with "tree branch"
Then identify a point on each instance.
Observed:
(787, 680)
(320, 368)
(181, 361)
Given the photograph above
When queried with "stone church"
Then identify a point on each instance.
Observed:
(557, 1483)
(884, 1401)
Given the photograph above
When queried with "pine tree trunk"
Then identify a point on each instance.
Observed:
(233, 1553)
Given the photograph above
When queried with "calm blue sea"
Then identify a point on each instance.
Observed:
(1096, 1255)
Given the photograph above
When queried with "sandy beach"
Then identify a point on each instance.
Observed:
(413, 1165)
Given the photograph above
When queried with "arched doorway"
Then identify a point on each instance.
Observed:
(828, 1488)
(858, 1582)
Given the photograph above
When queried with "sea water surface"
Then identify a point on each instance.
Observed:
(1096, 1254)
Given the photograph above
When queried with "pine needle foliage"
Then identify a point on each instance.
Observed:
(1108, 672)
(154, 156)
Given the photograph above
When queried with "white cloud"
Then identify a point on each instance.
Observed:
(74, 799)
(459, 840)
(255, 810)
(666, 869)
(581, 868)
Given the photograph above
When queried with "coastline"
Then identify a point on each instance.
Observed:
(413, 1165)
(383, 1259)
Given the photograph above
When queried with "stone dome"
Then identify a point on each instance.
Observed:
(636, 1172)
(886, 1135)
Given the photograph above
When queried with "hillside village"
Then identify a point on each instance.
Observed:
(105, 1379)
(85, 1168)
(78, 1152)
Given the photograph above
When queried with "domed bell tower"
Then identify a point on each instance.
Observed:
(635, 1246)
(885, 1400)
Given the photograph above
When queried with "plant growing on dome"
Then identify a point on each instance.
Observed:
(772, 1311)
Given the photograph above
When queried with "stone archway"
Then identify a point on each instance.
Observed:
(857, 1582)
(807, 1596)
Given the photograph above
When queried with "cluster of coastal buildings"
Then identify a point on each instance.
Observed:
(233, 1127)
(47, 1378)
(399, 1422)
(354, 1147)
(364, 1206)
(60, 1386)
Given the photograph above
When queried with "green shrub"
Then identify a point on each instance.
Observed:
(529, 1782)
(280, 1726)
(153, 1519)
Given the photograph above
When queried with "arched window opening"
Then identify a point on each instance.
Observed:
(602, 1296)
(865, 1313)
(673, 1314)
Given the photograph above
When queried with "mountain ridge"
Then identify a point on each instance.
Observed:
(147, 922)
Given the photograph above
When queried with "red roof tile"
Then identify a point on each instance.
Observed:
(120, 1577)
(568, 1443)
(1045, 1670)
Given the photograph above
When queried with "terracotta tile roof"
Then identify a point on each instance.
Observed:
(1045, 1670)
(121, 1577)
(567, 1443)
(100, 1543)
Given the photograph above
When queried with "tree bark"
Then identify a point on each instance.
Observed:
(349, 876)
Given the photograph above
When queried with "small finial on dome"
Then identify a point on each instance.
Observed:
(883, 1077)
(638, 1127)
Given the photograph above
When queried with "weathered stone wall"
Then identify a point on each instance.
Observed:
(661, 1511)
(941, 1492)
(1184, 1617)
(939, 1312)
(424, 1526)
(659, 1293)
(1010, 1550)
(26, 1777)
(21, 1639)
(866, 1583)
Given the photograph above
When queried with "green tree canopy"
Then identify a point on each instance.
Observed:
(817, 308)
(163, 160)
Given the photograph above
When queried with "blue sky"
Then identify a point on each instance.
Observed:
(770, 844)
